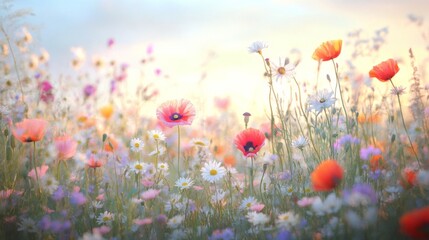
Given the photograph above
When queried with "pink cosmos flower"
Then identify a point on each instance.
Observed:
(29, 130)
(142, 222)
(257, 207)
(150, 194)
(176, 112)
(250, 141)
(66, 147)
(41, 171)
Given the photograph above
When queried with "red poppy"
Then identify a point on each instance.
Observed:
(93, 162)
(385, 70)
(250, 141)
(415, 223)
(328, 50)
(66, 147)
(327, 175)
(176, 112)
(29, 130)
(409, 178)
(376, 162)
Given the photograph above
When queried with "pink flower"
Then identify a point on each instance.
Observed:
(147, 182)
(66, 147)
(150, 194)
(29, 130)
(41, 171)
(222, 103)
(176, 112)
(304, 202)
(142, 222)
(257, 207)
(101, 230)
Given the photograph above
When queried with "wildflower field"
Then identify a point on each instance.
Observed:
(343, 156)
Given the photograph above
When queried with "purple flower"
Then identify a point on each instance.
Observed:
(374, 175)
(58, 194)
(346, 139)
(284, 235)
(77, 198)
(367, 153)
(360, 194)
(89, 90)
(45, 223)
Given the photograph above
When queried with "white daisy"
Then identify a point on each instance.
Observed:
(175, 221)
(27, 225)
(247, 203)
(163, 166)
(49, 184)
(105, 218)
(281, 71)
(212, 171)
(257, 218)
(184, 183)
(136, 145)
(287, 220)
(256, 47)
(156, 135)
(149, 169)
(218, 196)
(137, 167)
(97, 204)
(300, 142)
(321, 100)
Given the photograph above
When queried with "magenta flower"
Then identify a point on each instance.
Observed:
(46, 90)
(176, 112)
(89, 90)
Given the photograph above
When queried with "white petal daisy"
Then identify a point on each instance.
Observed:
(136, 145)
(156, 135)
(105, 218)
(247, 203)
(321, 100)
(184, 183)
(256, 47)
(213, 171)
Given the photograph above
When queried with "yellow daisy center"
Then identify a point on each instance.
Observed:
(139, 167)
(136, 144)
(281, 70)
(184, 184)
(106, 218)
(213, 172)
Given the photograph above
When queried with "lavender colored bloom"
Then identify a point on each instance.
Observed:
(77, 198)
(56, 226)
(45, 223)
(367, 153)
(58, 194)
(285, 176)
(89, 90)
(346, 139)
(284, 235)
(161, 219)
(360, 194)
(374, 175)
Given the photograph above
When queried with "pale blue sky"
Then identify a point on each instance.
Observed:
(185, 32)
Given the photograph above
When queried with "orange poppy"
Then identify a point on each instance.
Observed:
(328, 50)
(376, 162)
(229, 160)
(93, 162)
(414, 223)
(385, 70)
(106, 111)
(110, 145)
(29, 130)
(327, 175)
(374, 118)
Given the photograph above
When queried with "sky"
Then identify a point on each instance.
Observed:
(202, 46)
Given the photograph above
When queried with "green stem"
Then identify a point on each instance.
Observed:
(403, 123)
(341, 95)
(178, 151)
